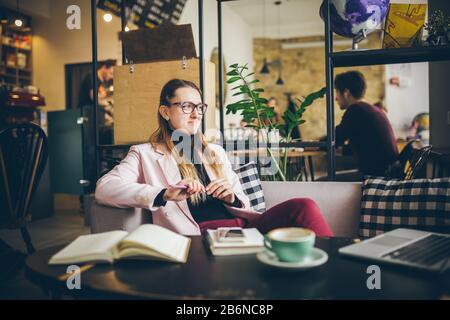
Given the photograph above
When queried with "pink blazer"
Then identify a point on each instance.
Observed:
(145, 171)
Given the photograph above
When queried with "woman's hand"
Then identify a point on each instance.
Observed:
(177, 194)
(221, 189)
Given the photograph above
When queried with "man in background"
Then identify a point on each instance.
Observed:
(364, 127)
(105, 74)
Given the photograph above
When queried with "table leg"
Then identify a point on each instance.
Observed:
(311, 167)
(303, 161)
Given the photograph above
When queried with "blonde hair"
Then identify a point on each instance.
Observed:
(163, 136)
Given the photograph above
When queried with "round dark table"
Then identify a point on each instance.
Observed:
(205, 276)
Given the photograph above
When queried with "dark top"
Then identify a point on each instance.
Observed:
(87, 86)
(208, 208)
(371, 137)
(85, 89)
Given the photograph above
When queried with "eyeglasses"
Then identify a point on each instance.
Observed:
(189, 107)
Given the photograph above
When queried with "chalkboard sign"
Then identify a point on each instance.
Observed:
(140, 44)
(146, 13)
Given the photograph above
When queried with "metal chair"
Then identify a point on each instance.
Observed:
(23, 154)
(410, 161)
(417, 161)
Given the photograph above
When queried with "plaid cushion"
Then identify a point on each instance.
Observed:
(248, 175)
(417, 204)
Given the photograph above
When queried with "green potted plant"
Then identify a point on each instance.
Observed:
(259, 116)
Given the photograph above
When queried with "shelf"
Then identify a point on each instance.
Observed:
(15, 68)
(390, 56)
(8, 75)
(23, 30)
(18, 48)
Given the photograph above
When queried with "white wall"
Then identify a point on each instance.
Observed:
(237, 39)
(54, 46)
(411, 98)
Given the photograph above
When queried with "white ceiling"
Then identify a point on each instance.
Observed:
(297, 17)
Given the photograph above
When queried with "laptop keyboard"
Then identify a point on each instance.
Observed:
(427, 251)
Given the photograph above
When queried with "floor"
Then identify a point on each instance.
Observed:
(62, 228)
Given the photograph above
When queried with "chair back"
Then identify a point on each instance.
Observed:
(410, 161)
(23, 155)
(416, 162)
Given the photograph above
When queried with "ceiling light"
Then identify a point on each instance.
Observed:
(265, 67)
(18, 22)
(107, 17)
(280, 81)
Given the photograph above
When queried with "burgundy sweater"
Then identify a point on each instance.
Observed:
(370, 136)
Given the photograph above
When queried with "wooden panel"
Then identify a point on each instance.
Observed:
(136, 96)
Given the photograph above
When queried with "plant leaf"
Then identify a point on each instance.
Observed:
(309, 99)
(261, 100)
(232, 73)
(290, 115)
(233, 79)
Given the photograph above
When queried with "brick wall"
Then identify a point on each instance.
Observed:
(304, 72)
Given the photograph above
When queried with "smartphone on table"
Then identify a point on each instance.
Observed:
(230, 234)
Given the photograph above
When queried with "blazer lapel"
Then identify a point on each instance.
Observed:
(169, 168)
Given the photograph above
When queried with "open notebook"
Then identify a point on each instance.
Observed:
(148, 242)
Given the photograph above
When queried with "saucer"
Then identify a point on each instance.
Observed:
(315, 258)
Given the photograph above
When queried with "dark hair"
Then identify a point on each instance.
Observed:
(168, 91)
(353, 81)
(108, 63)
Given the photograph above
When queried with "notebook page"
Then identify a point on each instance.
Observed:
(162, 240)
(90, 245)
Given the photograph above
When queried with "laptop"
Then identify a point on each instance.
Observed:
(413, 248)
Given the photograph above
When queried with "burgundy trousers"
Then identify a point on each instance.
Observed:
(296, 212)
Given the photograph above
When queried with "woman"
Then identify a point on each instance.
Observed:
(151, 174)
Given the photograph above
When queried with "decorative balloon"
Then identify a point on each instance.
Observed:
(351, 18)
